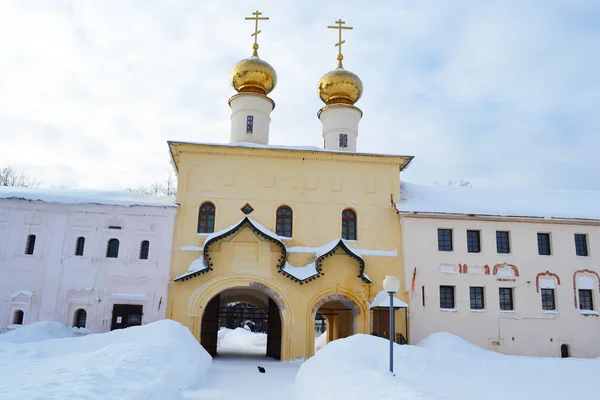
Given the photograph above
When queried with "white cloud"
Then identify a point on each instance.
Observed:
(499, 93)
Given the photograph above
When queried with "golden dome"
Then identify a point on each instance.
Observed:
(253, 75)
(340, 87)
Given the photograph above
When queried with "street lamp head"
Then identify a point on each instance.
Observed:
(391, 284)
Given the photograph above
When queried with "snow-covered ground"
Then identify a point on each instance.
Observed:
(443, 366)
(47, 361)
(241, 341)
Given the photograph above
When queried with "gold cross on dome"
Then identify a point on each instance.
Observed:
(257, 17)
(340, 42)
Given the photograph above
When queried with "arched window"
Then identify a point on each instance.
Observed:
(565, 351)
(79, 318)
(144, 249)
(112, 249)
(348, 224)
(206, 218)
(79, 246)
(284, 221)
(18, 317)
(30, 246)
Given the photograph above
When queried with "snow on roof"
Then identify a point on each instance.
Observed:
(533, 203)
(196, 266)
(84, 196)
(382, 300)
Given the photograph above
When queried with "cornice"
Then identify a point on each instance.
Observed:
(492, 218)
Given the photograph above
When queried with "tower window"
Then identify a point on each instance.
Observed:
(284, 221)
(18, 317)
(144, 250)
(79, 246)
(206, 218)
(249, 124)
(112, 249)
(343, 140)
(79, 318)
(348, 225)
(30, 246)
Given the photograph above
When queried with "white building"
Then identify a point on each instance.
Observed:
(514, 271)
(86, 258)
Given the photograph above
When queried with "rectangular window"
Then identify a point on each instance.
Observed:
(445, 239)
(250, 124)
(502, 242)
(585, 299)
(548, 303)
(423, 295)
(79, 246)
(506, 299)
(343, 140)
(544, 244)
(473, 242)
(581, 248)
(476, 295)
(30, 245)
(447, 297)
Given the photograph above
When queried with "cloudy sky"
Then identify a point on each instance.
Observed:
(500, 93)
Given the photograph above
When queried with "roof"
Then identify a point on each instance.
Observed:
(382, 300)
(524, 203)
(175, 157)
(84, 196)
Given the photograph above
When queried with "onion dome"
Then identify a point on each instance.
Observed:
(253, 75)
(340, 87)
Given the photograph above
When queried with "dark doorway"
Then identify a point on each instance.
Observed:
(381, 323)
(210, 326)
(274, 331)
(126, 315)
(565, 352)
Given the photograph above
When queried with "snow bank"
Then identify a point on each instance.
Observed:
(321, 341)
(241, 338)
(442, 366)
(37, 332)
(155, 361)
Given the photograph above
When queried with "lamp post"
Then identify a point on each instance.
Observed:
(391, 284)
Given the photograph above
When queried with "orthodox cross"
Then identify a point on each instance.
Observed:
(257, 17)
(340, 42)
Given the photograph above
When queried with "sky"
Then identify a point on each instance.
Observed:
(498, 93)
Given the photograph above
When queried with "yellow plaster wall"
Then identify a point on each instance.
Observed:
(317, 186)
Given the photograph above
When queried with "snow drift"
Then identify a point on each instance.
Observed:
(242, 338)
(442, 366)
(155, 361)
(38, 332)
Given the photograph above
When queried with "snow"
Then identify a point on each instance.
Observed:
(199, 264)
(240, 340)
(301, 273)
(84, 196)
(320, 341)
(442, 366)
(27, 293)
(37, 332)
(534, 203)
(382, 299)
(150, 362)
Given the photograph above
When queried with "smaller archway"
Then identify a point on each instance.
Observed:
(565, 351)
(18, 317)
(79, 318)
(340, 318)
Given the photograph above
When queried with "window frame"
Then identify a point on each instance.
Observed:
(447, 294)
(249, 124)
(80, 246)
(477, 300)
(503, 243)
(443, 239)
(18, 317)
(541, 246)
(349, 224)
(207, 215)
(581, 246)
(502, 300)
(473, 246)
(30, 245)
(77, 318)
(343, 140)
(144, 250)
(546, 299)
(284, 223)
(583, 299)
(112, 248)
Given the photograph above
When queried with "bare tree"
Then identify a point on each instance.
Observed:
(455, 183)
(167, 187)
(10, 176)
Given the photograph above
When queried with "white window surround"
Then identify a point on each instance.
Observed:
(448, 309)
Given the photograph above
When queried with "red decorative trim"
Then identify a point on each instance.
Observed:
(465, 269)
(581, 271)
(547, 273)
(486, 269)
(498, 266)
(460, 268)
(412, 287)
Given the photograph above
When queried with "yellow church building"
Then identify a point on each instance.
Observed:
(295, 231)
